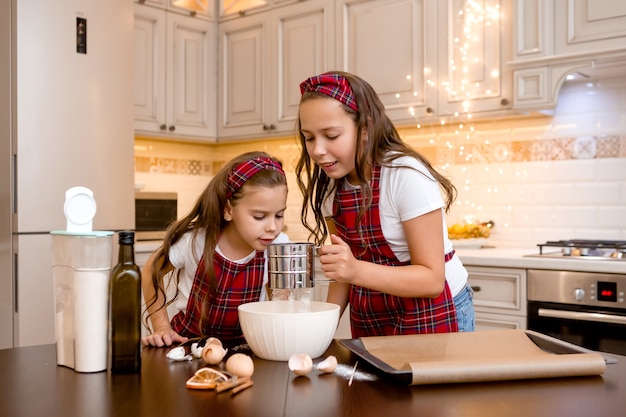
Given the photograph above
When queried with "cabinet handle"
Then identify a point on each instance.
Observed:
(162, 127)
(429, 110)
(504, 102)
(272, 127)
(171, 128)
(476, 288)
(192, 13)
(242, 12)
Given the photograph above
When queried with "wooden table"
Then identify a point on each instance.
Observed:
(33, 385)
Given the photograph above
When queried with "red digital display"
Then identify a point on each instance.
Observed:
(607, 291)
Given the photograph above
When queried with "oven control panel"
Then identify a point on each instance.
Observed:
(572, 287)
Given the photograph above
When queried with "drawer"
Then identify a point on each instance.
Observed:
(491, 321)
(498, 290)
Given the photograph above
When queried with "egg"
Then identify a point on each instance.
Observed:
(300, 363)
(213, 352)
(240, 365)
(328, 365)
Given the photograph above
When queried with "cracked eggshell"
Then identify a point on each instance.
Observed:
(213, 340)
(178, 354)
(213, 353)
(196, 350)
(328, 365)
(300, 363)
(240, 365)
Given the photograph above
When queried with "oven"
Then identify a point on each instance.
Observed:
(583, 308)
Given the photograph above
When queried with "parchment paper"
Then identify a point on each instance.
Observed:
(478, 356)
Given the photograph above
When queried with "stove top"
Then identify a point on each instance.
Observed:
(583, 249)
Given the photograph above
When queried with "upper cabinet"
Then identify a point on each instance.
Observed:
(175, 81)
(428, 58)
(386, 42)
(473, 58)
(263, 58)
(196, 8)
(232, 8)
(554, 38)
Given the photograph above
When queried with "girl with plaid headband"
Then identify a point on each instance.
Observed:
(380, 203)
(215, 255)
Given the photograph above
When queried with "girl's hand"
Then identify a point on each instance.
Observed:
(337, 260)
(163, 336)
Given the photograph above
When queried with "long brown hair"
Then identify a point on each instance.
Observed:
(383, 146)
(207, 215)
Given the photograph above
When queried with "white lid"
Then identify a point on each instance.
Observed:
(79, 209)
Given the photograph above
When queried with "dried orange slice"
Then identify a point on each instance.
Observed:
(206, 378)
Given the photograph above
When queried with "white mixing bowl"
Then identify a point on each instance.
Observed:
(277, 329)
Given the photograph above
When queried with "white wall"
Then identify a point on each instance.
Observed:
(560, 177)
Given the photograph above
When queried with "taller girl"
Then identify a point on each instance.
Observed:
(381, 203)
(217, 253)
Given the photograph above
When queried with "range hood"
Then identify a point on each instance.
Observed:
(538, 83)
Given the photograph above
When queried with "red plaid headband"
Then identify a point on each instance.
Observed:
(245, 170)
(333, 85)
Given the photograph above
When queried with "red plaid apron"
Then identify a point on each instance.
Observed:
(237, 284)
(373, 313)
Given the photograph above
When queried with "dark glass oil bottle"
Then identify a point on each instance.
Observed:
(125, 313)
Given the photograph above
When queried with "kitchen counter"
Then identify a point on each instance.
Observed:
(515, 258)
(34, 385)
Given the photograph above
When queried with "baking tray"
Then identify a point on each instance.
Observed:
(404, 376)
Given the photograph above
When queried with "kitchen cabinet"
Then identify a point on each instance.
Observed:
(202, 9)
(499, 297)
(430, 67)
(174, 75)
(474, 75)
(233, 8)
(586, 25)
(553, 38)
(263, 59)
(389, 43)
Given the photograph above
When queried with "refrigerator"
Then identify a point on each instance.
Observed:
(66, 120)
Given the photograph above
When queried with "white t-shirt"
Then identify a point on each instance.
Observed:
(186, 260)
(404, 195)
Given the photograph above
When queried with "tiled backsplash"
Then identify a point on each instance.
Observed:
(537, 177)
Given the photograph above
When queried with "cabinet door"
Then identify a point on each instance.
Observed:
(589, 26)
(304, 38)
(385, 43)
(243, 53)
(264, 57)
(473, 71)
(232, 8)
(191, 77)
(196, 8)
(533, 30)
(498, 290)
(149, 68)
(490, 321)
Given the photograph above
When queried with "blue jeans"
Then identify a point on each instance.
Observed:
(465, 315)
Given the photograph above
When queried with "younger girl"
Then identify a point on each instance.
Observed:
(217, 253)
(381, 203)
